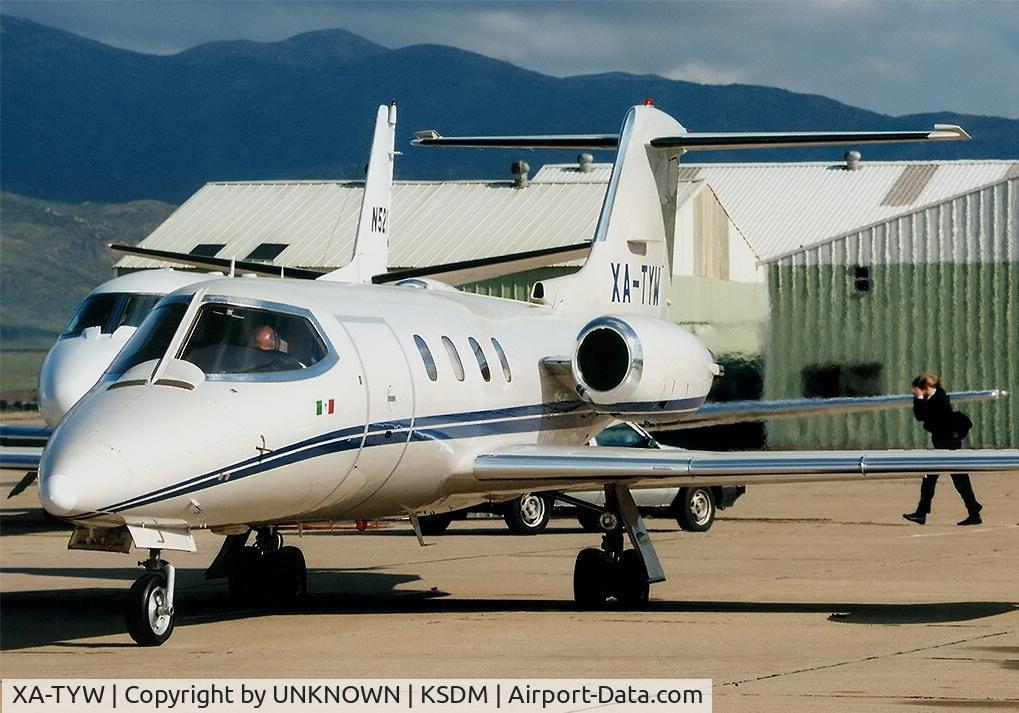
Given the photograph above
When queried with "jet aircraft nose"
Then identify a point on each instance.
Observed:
(71, 367)
(59, 495)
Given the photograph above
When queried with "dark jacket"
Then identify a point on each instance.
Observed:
(936, 414)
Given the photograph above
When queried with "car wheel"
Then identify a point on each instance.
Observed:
(695, 509)
(529, 514)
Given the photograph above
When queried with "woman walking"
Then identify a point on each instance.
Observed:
(932, 406)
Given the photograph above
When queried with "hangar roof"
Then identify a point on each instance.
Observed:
(781, 207)
(312, 223)
(778, 207)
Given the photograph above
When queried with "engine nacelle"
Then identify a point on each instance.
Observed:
(641, 368)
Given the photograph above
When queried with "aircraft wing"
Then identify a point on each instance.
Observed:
(461, 273)
(549, 467)
(24, 435)
(21, 449)
(220, 263)
(726, 412)
(20, 458)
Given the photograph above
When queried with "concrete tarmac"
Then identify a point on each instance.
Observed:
(800, 598)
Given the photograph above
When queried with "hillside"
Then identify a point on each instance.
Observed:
(82, 121)
(53, 254)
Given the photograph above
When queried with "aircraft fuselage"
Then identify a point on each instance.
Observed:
(409, 385)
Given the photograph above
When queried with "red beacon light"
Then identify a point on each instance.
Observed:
(648, 101)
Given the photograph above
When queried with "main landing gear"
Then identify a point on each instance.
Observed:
(268, 572)
(613, 572)
(150, 613)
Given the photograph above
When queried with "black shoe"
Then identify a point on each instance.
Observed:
(918, 518)
(973, 519)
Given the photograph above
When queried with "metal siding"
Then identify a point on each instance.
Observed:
(783, 208)
(945, 297)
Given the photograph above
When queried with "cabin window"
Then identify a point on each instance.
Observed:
(454, 358)
(95, 311)
(227, 339)
(152, 338)
(502, 360)
(486, 373)
(426, 358)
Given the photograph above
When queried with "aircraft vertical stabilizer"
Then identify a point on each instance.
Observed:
(629, 269)
(371, 241)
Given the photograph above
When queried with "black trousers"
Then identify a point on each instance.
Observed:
(961, 483)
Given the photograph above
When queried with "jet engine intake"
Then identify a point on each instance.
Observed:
(641, 368)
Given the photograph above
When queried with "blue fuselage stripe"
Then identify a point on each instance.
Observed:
(516, 419)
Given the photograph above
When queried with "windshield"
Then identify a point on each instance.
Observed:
(109, 311)
(95, 311)
(152, 338)
(227, 339)
(624, 436)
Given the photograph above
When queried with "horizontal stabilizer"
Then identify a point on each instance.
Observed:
(728, 412)
(487, 268)
(220, 263)
(562, 141)
(697, 141)
(724, 141)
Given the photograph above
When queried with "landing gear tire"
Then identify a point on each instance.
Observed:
(633, 590)
(529, 514)
(695, 509)
(287, 575)
(588, 520)
(150, 620)
(244, 574)
(591, 579)
(432, 525)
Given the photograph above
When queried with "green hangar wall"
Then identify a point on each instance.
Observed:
(936, 290)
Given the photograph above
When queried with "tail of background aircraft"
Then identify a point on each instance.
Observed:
(371, 241)
(629, 268)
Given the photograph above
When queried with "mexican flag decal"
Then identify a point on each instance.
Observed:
(322, 407)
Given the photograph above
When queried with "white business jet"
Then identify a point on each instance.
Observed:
(243, 405)
(110, 314)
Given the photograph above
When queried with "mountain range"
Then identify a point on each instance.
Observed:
(83, 121)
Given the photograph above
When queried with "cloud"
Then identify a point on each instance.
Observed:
(706, 74)
(895, 57)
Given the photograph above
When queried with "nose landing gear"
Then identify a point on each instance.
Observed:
(150, 613)
(612, 571)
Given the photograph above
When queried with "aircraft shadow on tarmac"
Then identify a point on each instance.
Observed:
(62, 617)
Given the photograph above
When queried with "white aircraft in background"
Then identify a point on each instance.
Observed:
(243, 405)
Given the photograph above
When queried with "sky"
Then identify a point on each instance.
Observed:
(900, 57)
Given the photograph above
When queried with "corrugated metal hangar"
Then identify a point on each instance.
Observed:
(848, 278)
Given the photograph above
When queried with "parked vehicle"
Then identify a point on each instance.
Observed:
(694, 508)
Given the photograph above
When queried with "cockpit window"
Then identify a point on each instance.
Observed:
(111, 310)
(152, 338)
(95, 311)
(136, 308)
(227, 339)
